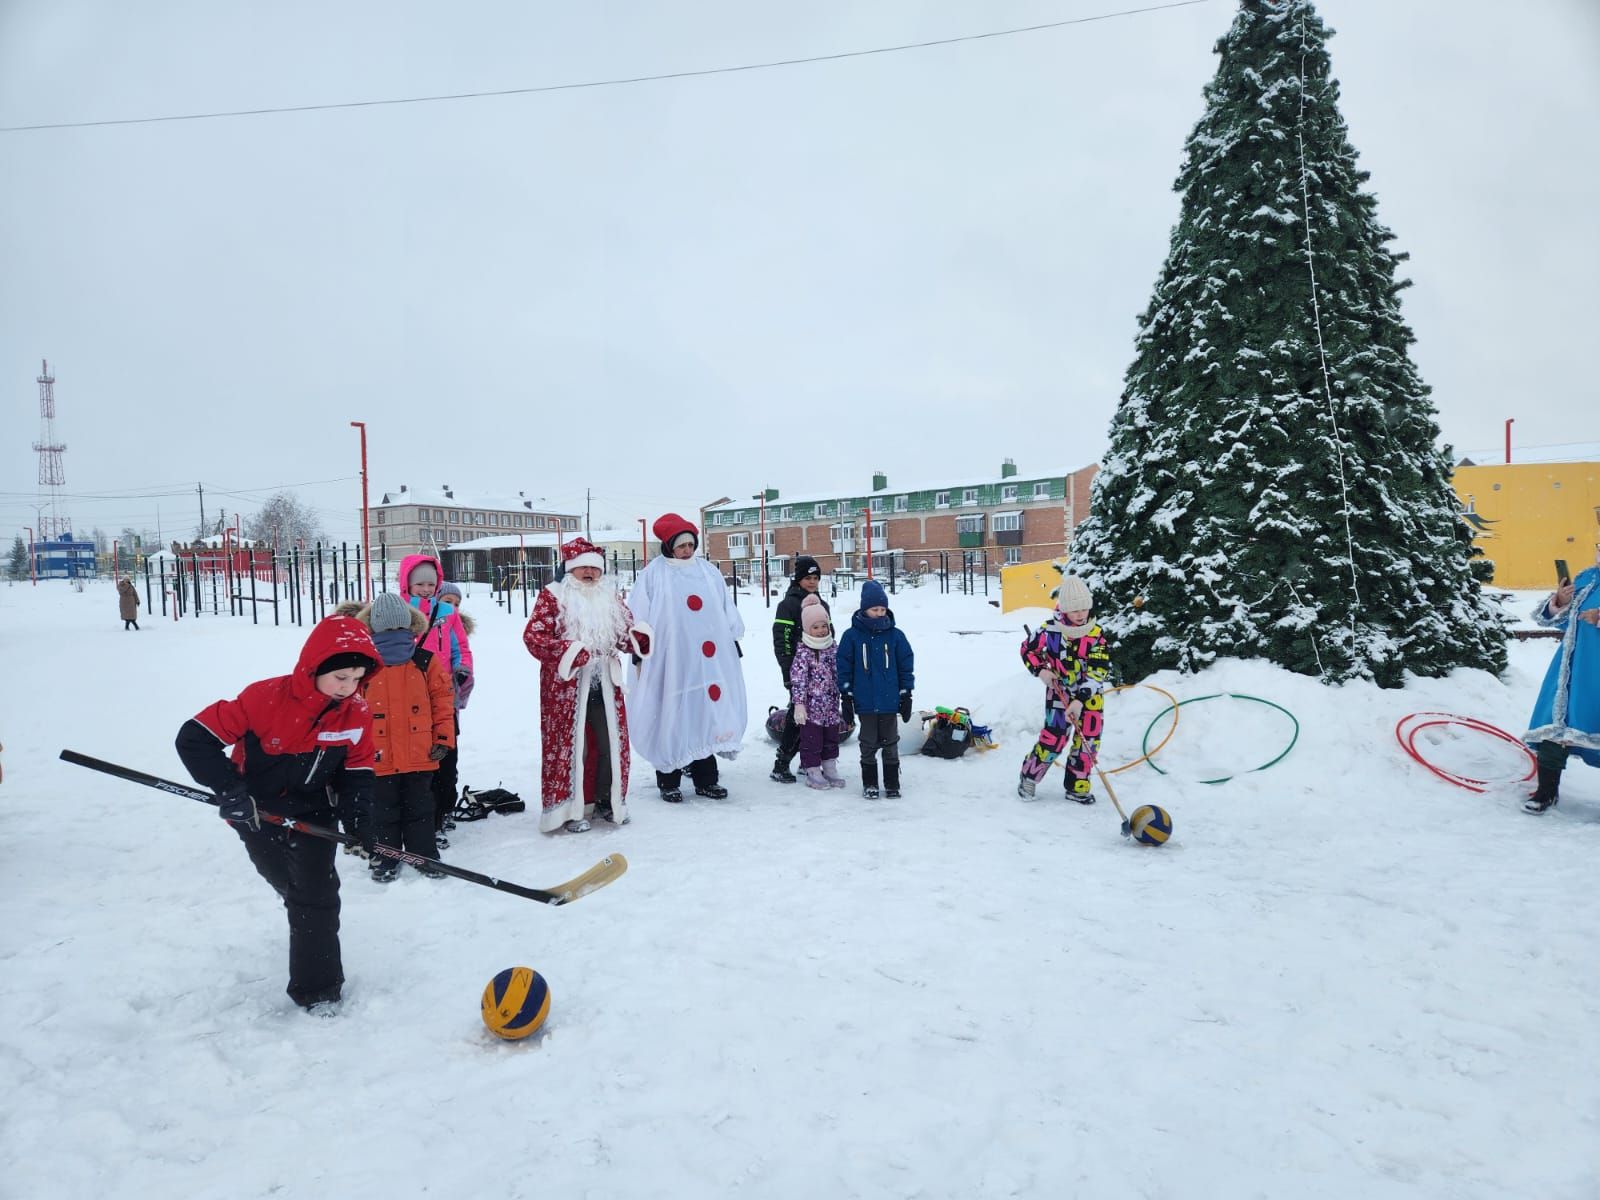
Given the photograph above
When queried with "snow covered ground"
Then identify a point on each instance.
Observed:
(1343, 977)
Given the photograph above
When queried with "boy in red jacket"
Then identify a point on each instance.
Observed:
(302, 747)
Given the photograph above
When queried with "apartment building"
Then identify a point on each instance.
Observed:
(426, 520)
(992, 520)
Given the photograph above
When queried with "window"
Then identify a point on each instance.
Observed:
(1008, 493)
(900, 504)
(380, 516)
(455, 517)
(969, 496)
(941, 500)
(877, 504)
(572, 522)
(822, 510)
(970, 524)
(876, 531)
(738, 541)
(1007, 522)
(438, 516)
(1013, 555)
(784, 513)
(1041, 491)
(477, 518)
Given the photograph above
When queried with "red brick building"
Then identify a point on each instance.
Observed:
(984, 522)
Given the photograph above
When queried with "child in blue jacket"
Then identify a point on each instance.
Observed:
(875, 682)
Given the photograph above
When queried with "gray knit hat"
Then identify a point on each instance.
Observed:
(389, 611)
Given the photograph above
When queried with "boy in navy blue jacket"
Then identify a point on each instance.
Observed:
(875, 682)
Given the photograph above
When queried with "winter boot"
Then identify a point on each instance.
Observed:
(891, 780)
(1545, 797)
(385, 870)
(578, 826)
(1079, 797)
(816, 779)
(869, 780)
(711, 791)
(672, 795)
(430, 869)
(1027, 787)
(830, 768)
(441, 841)
(780, 770)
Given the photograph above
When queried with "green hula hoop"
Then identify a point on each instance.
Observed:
(1271, 762)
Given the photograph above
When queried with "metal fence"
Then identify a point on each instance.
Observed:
(289, 587)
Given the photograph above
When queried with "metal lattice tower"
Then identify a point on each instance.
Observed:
(52, 474)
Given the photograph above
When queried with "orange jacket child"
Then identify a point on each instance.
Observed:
(413, 726)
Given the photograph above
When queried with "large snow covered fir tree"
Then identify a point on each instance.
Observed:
(1274, 486)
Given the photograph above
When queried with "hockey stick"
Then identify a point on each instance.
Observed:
(1127, 827)
(592, 880)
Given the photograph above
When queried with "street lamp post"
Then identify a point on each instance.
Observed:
(644, 545)
(33, 576)
(366, 536)
(766, 589)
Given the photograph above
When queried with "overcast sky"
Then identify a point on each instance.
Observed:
(919, 262)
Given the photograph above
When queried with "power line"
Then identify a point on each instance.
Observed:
(626, 81)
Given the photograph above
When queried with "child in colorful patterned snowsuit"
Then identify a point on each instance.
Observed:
(814, 684)
(1070, 655)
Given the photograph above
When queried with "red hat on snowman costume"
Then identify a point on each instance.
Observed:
(669, 527)
(581, 552)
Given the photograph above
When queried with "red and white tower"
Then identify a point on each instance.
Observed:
(52, 474)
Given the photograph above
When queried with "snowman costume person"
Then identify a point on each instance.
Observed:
(688, 701)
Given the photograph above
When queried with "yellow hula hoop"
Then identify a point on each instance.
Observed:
(1149, 754)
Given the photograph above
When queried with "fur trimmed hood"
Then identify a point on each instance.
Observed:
(363, 613)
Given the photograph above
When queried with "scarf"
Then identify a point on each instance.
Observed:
(817, 643)
(395, 646)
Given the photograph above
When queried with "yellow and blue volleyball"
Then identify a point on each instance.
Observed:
(1150, 825)
(515, 1003)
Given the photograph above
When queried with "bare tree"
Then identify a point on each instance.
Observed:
(283, 520)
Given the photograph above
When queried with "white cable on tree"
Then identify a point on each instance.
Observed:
(1322, 357)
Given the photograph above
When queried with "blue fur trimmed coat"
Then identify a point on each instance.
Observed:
(1568, 707)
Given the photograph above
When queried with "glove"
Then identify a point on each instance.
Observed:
(905, 706)
(437, 751)
(847, 708)
(460, 676)
(235, 806)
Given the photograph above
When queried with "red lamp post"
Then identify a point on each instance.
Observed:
(1509, 420)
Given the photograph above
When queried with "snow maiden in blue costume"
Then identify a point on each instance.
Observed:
(1566, 716)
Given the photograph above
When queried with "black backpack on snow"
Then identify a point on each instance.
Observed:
(949, 734)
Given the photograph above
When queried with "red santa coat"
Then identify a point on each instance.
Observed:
(565, 671)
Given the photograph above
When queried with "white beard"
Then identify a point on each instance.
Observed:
(591, 614)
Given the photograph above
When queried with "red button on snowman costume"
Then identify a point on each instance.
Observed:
(688, 700)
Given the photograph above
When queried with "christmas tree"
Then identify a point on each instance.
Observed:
(1274, 486)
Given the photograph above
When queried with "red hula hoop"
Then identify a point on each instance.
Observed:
(1407, 738)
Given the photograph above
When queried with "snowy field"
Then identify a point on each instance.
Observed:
(1343, 977)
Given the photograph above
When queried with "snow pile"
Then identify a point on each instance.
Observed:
(1343, 977)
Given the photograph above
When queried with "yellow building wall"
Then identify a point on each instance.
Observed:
(1533, 514)
(1028, 585)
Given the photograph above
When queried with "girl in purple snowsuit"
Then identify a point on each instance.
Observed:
(814, 684)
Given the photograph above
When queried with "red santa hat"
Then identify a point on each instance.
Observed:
(581, 552)
(669, 527)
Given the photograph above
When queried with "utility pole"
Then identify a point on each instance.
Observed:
(366, 535)
(201, 488)
(588, 530)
